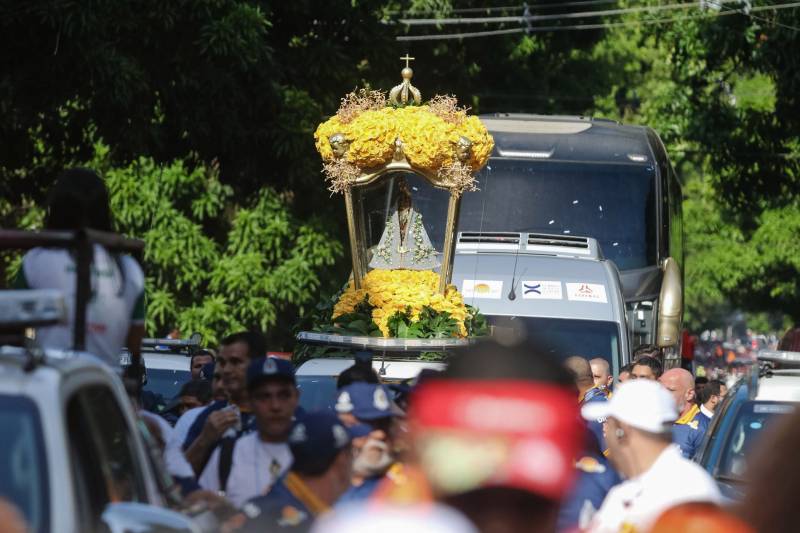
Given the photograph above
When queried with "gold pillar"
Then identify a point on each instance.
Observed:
(359, 270)
(448, 255)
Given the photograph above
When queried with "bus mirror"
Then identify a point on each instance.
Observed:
(670, 305)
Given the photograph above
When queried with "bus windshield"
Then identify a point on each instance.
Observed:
(614, 203)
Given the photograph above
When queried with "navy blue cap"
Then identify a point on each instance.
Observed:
(266, 368)
(207, 372)
(365, 401)
(315, 440)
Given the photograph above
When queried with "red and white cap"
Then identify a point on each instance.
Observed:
(506, 433)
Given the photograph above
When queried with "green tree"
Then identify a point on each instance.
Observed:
(242, 82)
(721, 91)
(214, 264)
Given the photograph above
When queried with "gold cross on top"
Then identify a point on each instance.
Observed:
(407, 59)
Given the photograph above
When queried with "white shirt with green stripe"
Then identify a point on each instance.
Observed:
(116, 304)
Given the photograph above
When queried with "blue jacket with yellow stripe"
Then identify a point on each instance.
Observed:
(688, 431)
(289, 506)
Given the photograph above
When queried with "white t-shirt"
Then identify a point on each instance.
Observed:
(635, 504)
(117, 301)
(177, 465)
(255, 467)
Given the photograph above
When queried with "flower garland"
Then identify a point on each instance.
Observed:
(390, 292)
(439, 138)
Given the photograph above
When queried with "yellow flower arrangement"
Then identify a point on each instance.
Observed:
(430, 138)
(392, 291)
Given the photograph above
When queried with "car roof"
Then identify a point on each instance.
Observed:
(389, 369)
(165, 361)
(779, 386)
(48, 369)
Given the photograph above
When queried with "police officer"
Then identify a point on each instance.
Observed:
(595, 475)
(248, 467)
(588, 392)
(320, 473)
(366, 410)
(691, 425)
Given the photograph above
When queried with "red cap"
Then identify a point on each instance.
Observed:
(504, 433)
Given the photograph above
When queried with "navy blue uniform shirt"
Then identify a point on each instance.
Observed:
(289, 506)
(689, 430)
(595, 426)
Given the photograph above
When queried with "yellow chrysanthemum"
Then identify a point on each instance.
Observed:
(392, 291)
(330, 127)
(430, 142)
(373, 143)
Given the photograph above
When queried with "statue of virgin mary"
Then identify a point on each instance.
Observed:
(404, 243)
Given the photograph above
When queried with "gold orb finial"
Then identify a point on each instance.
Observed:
(399, 95)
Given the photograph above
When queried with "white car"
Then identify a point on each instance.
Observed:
(166, 373)
(71, 447)
(72, 457)
(316, 378)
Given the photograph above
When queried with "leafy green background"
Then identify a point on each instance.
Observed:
(200, 114)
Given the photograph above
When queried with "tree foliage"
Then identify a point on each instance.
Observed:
(204, 112)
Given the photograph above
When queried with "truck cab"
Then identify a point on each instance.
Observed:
(72, 454)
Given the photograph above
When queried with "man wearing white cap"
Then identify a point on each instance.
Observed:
(639, 435)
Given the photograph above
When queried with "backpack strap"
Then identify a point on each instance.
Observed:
(225, 461)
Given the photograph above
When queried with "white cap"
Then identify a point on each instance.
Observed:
(640, 403)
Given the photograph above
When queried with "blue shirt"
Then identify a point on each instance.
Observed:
(361, 492)
(289, 506)
(595, 478)
(689, 430)
(595, 426)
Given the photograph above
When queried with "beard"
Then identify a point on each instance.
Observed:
(373, 459)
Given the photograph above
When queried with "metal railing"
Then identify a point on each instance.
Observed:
(81, 243)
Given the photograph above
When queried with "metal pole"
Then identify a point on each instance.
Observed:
(84, 253)
(353, 232)
(446, 272)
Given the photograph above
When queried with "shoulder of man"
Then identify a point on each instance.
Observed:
(702, 420)
(595, 394)
(278, 509)
(197, 425)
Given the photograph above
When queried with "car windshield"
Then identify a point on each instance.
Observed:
(317, 393)
(165, 382)
(751, 421)
(563, 338)
(23, 463)
(614, 203)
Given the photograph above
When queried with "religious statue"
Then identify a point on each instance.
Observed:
(404, 243)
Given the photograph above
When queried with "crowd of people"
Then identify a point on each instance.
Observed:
(504, 440)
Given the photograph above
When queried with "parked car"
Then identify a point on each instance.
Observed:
(753, 404)
(72, 457)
